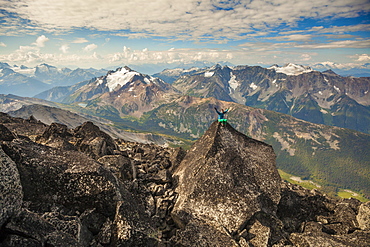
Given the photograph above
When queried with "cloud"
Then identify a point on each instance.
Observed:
(293, 37)
(64, 48)
(90, 47)
(338, 44)
(196, 20)
(129, 56)
(2, 44)
(363, 58)
(80, 41)
(305, 57)
(41, 40)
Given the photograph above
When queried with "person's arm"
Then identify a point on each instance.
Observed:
(217, 111)
(226, 110)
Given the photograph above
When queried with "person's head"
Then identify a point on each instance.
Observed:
(222, 110)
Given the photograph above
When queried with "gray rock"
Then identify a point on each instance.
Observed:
(226, 178)
(10, 188)
(105, 233)
(16, 240)
(6, 134)
(356, 239)
(120, 165)
(69, 178)
(30, 225)
(92, 141)
(363, 217)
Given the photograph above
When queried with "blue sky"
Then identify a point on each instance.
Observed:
(101, 34)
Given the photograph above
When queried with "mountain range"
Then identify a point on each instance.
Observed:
(335, 157)
(26, 81)
(299, 91)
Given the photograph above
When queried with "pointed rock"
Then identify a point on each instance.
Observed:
(225, 179)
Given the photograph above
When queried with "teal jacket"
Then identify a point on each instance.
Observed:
(221, 115)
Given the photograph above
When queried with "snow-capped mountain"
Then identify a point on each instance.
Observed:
(124, 89)
(12, 82)
(291, 69)
(42, 77)
(319, 97)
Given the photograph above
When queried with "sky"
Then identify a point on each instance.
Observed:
(109, 33)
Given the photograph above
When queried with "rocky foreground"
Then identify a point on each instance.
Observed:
(80, 187)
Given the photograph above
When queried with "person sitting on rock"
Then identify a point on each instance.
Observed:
(221, 116)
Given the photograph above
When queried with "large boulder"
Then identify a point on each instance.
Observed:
(225, 181)
(363, 216)
(92, 141)
(10, 188)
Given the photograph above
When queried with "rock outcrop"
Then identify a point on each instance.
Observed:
(224, 182)
(80, 187)
(10, 188)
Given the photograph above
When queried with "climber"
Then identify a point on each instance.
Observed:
(221, 116)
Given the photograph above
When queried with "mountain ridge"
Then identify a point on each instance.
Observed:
(311, 96)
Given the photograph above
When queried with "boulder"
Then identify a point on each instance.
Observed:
(92, 141)
(363, 216)
(5, 134)
(224, 180)
(10, 188)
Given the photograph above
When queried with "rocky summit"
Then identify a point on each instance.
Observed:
(80, 187)
(224, 181)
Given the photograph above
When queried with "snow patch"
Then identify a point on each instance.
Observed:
(320, 92)
(209, 73)
(233, 83)
(120, 78)
(323, 111)
(253, 86)
(82, 105)
(26, 72)
(291, 69)
(100, 81)
(336, 88)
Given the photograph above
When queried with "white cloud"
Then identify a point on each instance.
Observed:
(172, 55)
(2, 44)
(196, 20)
(305, 57)
(338, 44)
(80, 41)
(41, 40)
(64, 48)
(90, 47)
(293, 37)
(363, 57)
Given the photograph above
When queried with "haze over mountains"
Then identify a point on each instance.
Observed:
(25, 81)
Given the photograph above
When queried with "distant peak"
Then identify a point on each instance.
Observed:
(291, 69)
(329, 72)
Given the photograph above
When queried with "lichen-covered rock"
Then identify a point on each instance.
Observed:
(120, 165)
(313, 239)
(299, 205)
(53, 176)
(92, 141)
(363, 216)
(226, 178)
(10, 188)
